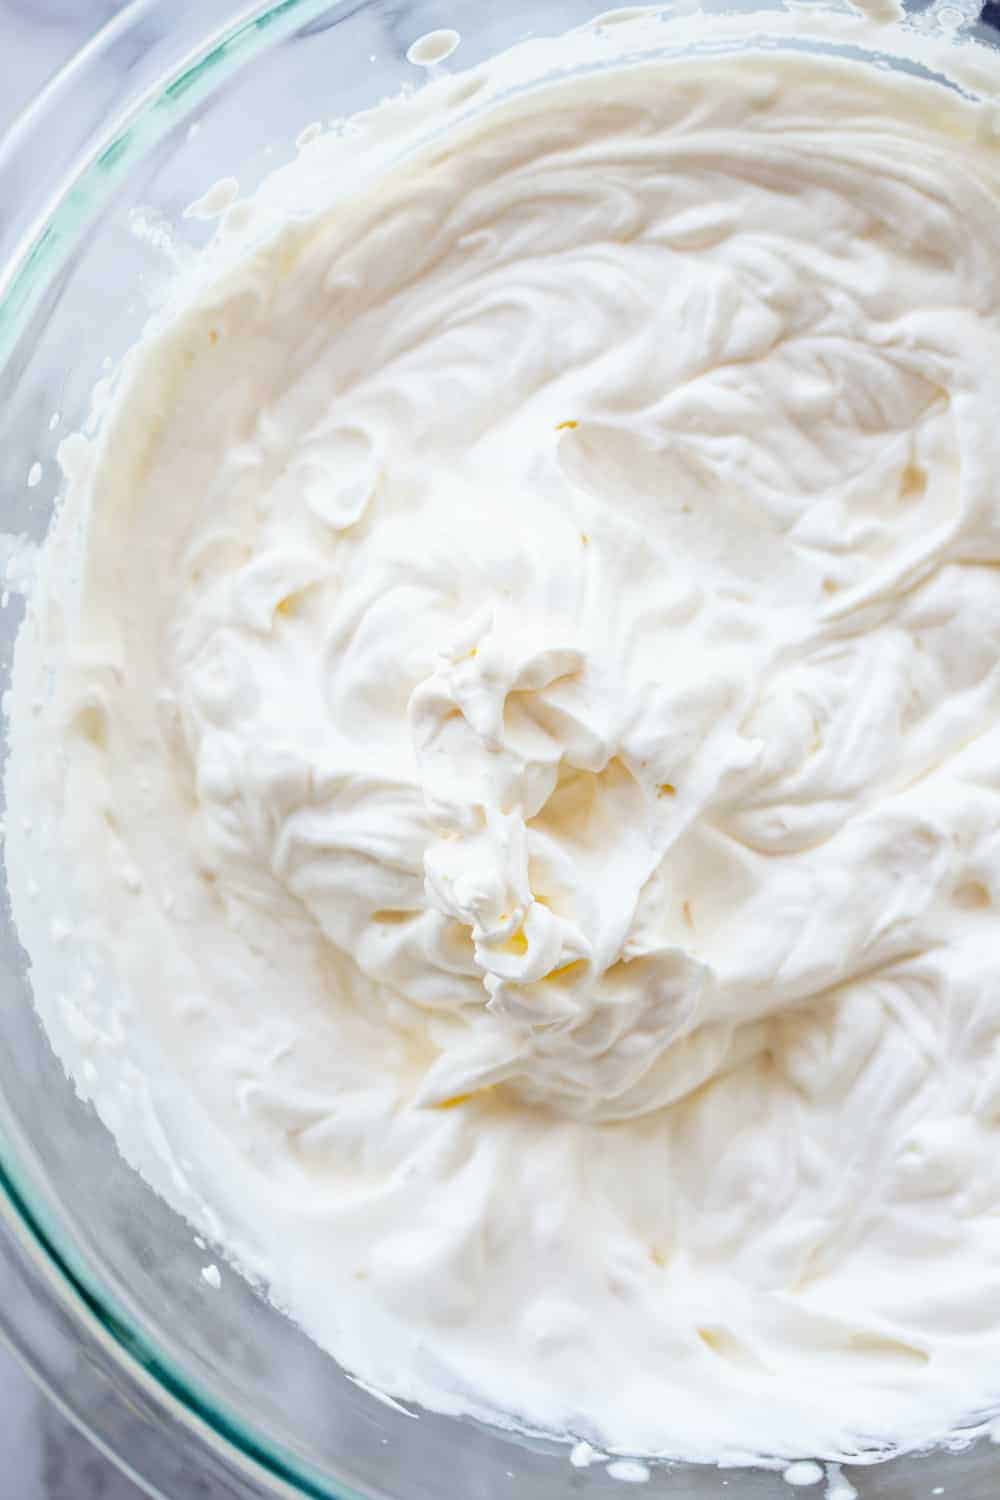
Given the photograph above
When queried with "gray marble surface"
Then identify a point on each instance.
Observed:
(42, 1456)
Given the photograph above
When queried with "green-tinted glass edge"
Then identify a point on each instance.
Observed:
(150, 120)
(137, 1350)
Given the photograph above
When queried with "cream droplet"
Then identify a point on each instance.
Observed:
(629, 1471)
(804, 1473)
(220, 196)
(429, 50)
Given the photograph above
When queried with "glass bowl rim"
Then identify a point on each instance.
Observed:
(39, 255)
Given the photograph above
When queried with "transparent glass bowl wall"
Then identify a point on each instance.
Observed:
(105, 1299)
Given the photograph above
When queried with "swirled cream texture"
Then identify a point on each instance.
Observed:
(530, 716)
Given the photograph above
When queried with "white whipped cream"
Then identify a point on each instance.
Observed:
(524, 733)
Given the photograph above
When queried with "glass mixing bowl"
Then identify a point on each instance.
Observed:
(197, 1391)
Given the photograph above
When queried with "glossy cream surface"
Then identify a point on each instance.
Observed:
(520, 713)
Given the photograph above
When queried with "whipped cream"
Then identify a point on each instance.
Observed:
(518, 694)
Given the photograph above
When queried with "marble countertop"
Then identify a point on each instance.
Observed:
(42, 1456)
